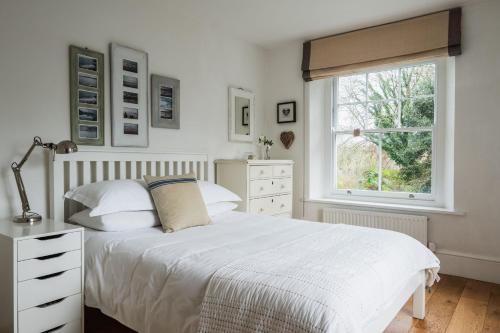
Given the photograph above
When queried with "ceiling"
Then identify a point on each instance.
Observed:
(268, 22)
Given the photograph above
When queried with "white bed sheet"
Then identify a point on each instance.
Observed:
(155, 282)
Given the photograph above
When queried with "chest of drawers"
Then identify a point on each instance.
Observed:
(265, 186)
(41, 285)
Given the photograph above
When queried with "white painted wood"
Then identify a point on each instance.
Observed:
(162, 169)
(201, 174)
(387, 314)
(33, 268)
(99, 171)
(143, 169)
(38, 247)
(86, 172)
(419, 300)
(170, 168)
(153, 169)
(43, 290)
(265, 186)
(38, 319)
(111, 170)
(31, 291)
(261, 171)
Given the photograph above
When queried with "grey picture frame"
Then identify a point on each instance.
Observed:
(165, 102)
(87, 108)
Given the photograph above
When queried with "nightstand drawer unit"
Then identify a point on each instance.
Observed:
(43, 288)
(265, 186)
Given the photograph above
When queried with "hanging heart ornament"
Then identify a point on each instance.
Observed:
(287, 138)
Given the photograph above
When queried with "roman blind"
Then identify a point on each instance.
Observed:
(420, 37)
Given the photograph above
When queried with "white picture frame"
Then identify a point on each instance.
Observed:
(127, 64)
(239, 132)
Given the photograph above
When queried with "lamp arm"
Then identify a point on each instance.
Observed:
(16, 168)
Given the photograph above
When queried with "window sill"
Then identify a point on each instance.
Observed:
(388, 207)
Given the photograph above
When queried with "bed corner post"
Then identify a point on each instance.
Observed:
(419, 299)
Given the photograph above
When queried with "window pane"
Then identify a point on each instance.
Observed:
(418, 80)
(357, 162)
(383, 85)
(354, 116)
(383, 114)
(352, 89)
(406, 162)
(417, 112)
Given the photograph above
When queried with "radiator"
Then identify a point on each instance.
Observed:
(412, 225)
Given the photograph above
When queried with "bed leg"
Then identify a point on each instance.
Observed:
(419, 301)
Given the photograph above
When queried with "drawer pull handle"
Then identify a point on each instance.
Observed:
(272, 183)
(261, 210)
(272, 200)
(50, 256)
(51, 303)
(54, 329)
(50, 237)
(48, 276)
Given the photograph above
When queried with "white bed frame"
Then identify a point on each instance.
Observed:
(84, 167)
(71, 170)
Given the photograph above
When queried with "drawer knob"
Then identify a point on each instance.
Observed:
(261, 172)
(261, 210)
(261, 188)
(272, 200)
(282, 205)
(282, 186)
(282, 170)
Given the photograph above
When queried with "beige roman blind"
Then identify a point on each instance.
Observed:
(420, 37)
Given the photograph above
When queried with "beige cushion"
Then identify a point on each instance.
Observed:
(178, 201)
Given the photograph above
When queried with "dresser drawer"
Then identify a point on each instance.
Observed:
(262, 205)
(260, 187)
(50, 316)
(48, 288)
(43, 246)
(282, 204)
(261, 171)
(33, 268)
(283, 185)
(283, 170)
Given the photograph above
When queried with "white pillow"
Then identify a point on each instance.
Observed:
(113, 196)
(213, 193)
(220, 207)
(117, 221)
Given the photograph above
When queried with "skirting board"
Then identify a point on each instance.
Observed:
(468, 266)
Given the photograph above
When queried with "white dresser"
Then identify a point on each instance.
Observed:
(265, 186)
(41, 277)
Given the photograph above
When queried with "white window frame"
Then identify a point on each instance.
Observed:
(438, 192)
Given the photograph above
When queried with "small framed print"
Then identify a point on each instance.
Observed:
(165, 98)
(86, 96)
(244, 116)
(286, 112)
(129, 97)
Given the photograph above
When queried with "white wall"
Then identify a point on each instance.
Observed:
(468, 245)
(34, 93)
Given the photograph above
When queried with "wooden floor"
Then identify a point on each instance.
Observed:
(454, 305)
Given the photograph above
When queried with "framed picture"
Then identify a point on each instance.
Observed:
(286, 112)
(244, 116)
(86, 96)
(129, 97)
(165, 102)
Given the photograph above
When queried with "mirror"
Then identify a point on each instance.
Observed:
(241, 115)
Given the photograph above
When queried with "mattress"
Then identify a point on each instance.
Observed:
(156, 282)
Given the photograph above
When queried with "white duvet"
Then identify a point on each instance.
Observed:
(157, 282)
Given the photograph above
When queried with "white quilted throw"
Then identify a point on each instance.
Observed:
(331, 280)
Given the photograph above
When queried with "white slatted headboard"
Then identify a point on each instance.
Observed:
(71, 170)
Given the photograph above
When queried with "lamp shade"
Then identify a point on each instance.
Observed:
(66, 147)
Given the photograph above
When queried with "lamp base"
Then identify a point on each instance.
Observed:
(30, 218)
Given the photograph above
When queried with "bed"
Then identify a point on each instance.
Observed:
(243, 272)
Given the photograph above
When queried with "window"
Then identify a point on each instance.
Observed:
(387, 133)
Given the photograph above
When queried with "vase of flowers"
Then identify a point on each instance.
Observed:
(266, 143)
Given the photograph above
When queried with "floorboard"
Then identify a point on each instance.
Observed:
(455, 305)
